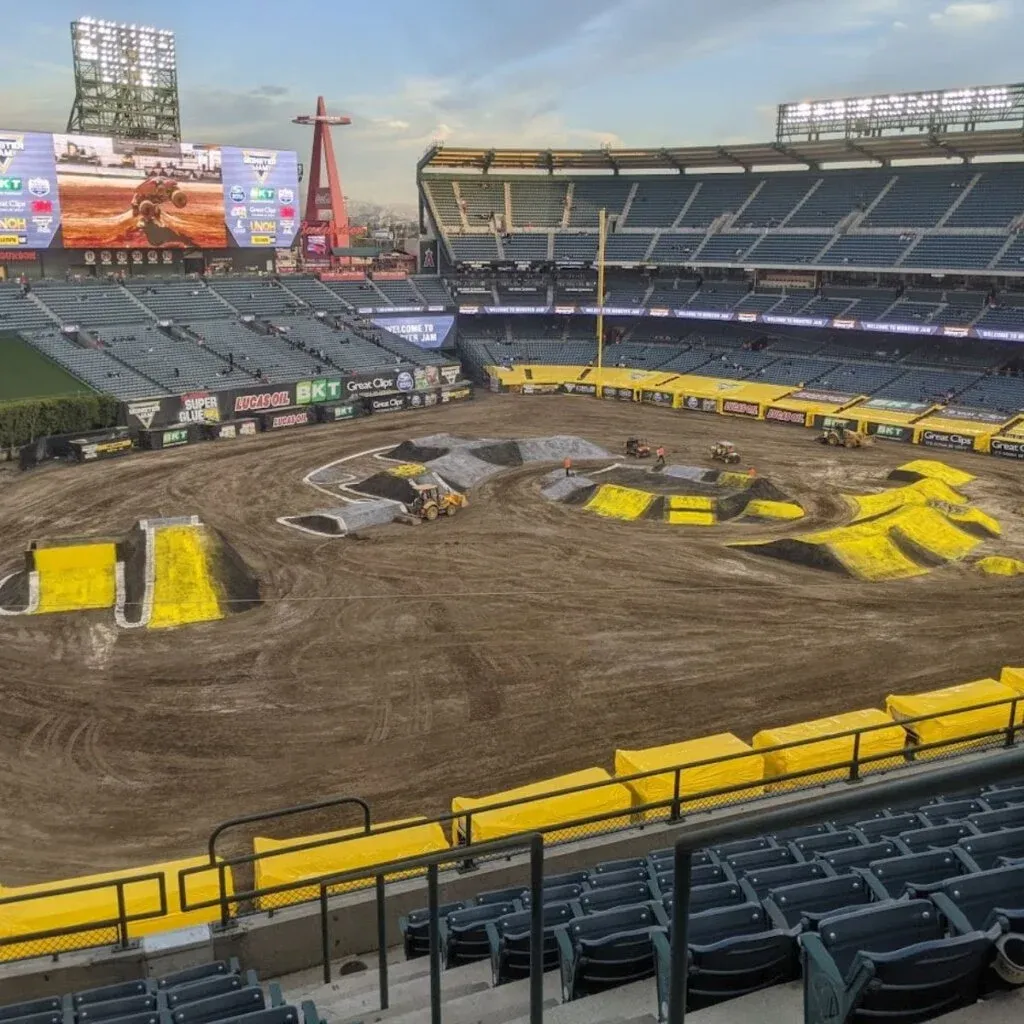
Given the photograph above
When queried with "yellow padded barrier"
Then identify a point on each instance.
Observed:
(700, 779)
(285, 868)
(1013, 678)
(783, 510)
(831, 749)
(935, 470)
(50, 913)
(616, 502)
(545, 810)
(76, 578)
(950, 722)
(407, 470)
(999, 565)
(184, 589)
(684, 518)
(690, 503)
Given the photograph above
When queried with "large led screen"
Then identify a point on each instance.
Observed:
(89, 192)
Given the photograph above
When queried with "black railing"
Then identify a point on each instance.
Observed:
(638, 815)
(115, 928)
(762, 820)
(672, 809)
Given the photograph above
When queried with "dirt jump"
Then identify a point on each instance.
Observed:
(524, 638)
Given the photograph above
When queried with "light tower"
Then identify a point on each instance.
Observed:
(326, 213)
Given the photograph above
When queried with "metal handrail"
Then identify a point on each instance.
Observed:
(431, 861)
(120, 922)
(815, 809)
(853, 765)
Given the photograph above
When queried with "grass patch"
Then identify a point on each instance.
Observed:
(26, 373)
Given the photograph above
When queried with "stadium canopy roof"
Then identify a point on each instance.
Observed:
(879, 149)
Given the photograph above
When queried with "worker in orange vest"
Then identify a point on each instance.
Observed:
(661, 455)
(568, 466)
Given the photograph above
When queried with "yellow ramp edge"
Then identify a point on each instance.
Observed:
(283, 865)
(999, 565)
(184, 586)
(616, 502)
(730, 478)
(922, 492)
(934, 532)
(50, 913)
(936, 470)
(76, 578)
(686, 518)
(874, 558)
(782, 510)
(981, 519)
(408, 469)
(690, 503)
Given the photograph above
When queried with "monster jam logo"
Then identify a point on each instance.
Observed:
(10, 147)
(144, 412)
(262, 163)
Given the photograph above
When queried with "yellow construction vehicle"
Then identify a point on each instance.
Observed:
(431, 502)
(839, 436)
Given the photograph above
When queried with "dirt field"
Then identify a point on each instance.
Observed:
(520, 640)
(96, 212)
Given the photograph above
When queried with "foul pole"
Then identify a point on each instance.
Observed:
(602, 223)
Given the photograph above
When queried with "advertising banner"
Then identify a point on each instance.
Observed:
(894, 405)
(821, 397)
(230, 431)
(97, 193)
(310, 392)
(461, 393)
(451, 374)
(169, 437)
(891, 432)
(1007, 448)
(288, 418)
(424, 399)
(93, 451)
(335, 412)
(427, 332)
(773, 414)
(198, 407)
(427, 377)
(260, 398)
(371, 384)
(662, 398)
(577, 388)
(733, 407)
(542, 389)
(974, 416)
(387, 403)
(695, 404)
(826, 422)
(945, 439)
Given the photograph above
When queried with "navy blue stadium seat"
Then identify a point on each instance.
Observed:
(708, 874)
(608, 949)
(920, 870)
(996, 798)
(509, 942)
(126, 1006)
(189, 975)
(1011, 816)
(951, 810)
(825, 843)
(48, 1017)
(507, 895)
(785, 835)
(555, 893)
(936, 837)
(732, 951)
(119, 990)
(759, 883)
(888, 827)
(983, 899)
(801, 906)
(415, 928)
(611, 867)
(214, 985)
(758, 860)
(667, 855)
(742, 846)
(985, 851)
(32, 1008)
(593, 901)
(842, 862)
(464, 932)
(214, 1008)
(607, 878)
(708, 897)
(890, 962)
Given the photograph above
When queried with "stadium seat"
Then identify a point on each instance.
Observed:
(1011, 816)
(801, 906)
(757, 860)
(732, 951)
(189, 975)
(41, 1016)
(202, 988)
(600, 880)
(985, 851)
(920, 870)
(708, 897)
(983, 900)
(103, 994)
(760, 883)
(555, 893)
(891, 962)
(842, 862)
(952, 810)
(509, 941)
(809, 846)
(594, 901)
(126, 1006)
(415, 928)
(936, 837)
(888, 827)
(997, 798)
(507, 895)
(42, 1008)
(464, 932)
(214, 1008)
(607, 949)
(742, 846)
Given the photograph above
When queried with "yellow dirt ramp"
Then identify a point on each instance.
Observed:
(614, 502)
(184, 582)
(935, 470)
(407, 470)
(998, 565)
(730, 478)
(687, 517)
(981, 519)
(76, 578)
(935, 532)
(783, 510)
(874, 557)
(690, 503)
(922, 492)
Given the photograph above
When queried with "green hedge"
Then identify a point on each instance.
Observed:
(25, 420)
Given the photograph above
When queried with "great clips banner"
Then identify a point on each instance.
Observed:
(422, 331)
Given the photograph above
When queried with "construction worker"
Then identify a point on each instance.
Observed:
(567, 464)
(661, 456)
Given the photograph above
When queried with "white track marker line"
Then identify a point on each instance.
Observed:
(284, 521)
(308, 478)
(33, 594)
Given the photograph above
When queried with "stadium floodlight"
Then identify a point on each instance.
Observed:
(936, 111)
(126, 81)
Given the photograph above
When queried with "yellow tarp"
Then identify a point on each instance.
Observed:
(763, 509)
(50, 913)
(692, 781)
(922, 492)
(76, 578)
(408, 469)
(730, 478)
(287, 867)
(834, 751)
(999, 565)
(545, 810)
(184, 589)
(946, 722)
(875, 558)
(690, 503)
(935, 470)
(1013, 678)
(684, 518)
(978, 518)
(614, 502)
(931, 531)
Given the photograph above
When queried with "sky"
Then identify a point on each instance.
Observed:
(526, 73)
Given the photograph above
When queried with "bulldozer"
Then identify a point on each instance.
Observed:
(839, 436)
(725, 451)
(431, 502)
(638, 448)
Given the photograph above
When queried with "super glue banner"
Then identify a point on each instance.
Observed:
(422, 331)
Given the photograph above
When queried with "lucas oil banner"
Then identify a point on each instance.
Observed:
(423, 331)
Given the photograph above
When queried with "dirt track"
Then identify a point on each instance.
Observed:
(517, 641)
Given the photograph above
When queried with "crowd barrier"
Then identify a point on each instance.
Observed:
(931, 425)
(656, 784)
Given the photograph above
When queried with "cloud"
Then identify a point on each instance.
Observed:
(957, 17)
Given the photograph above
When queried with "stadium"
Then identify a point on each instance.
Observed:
(394, 636)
